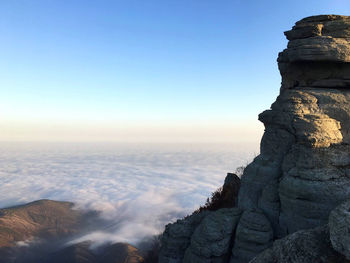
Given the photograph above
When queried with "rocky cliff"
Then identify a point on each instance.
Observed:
(302, 172)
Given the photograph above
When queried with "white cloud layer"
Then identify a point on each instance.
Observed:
(138, 187)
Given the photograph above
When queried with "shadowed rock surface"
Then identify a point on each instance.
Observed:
(177, 237)
(212, 238)
(304, 246)
(339, 225)
(253, 234)
(303, 170)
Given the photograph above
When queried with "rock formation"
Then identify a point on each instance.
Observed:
(303, 170)
(177, 237)
(211, 241)
(206, 234)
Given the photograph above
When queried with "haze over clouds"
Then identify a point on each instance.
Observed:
(140, 187)
(196, 131)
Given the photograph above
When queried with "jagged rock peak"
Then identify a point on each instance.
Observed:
(318, 53)
(323, 25)
(319, 38)
(302, 172)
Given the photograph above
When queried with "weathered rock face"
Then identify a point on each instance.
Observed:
(177, 236)
(304, 246)
(303, 170)
(254, 234)
(318, 53)
(339, 225)
(211, 241)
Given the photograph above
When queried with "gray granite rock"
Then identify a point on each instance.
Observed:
(339, 225)
(322, 38)
(302, 172)
(211, 241)
(318, 53)
(177, 236)
(304, 246)
(253, 235)
(305, 149)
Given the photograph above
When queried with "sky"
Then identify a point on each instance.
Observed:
(146, 70)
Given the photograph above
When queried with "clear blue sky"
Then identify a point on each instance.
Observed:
(149, 62)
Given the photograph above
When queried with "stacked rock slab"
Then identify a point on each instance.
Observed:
(303, 170)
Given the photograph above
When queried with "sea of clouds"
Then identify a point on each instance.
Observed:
(137, 187)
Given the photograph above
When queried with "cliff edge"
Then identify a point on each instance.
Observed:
(302, 173)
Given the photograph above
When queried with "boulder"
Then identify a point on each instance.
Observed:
(253, 235)
(211, 241)
(177, 236)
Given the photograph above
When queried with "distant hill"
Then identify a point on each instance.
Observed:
(38, 231)
(81, 253)
(39, 219)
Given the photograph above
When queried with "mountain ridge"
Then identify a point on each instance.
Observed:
(40, 231)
